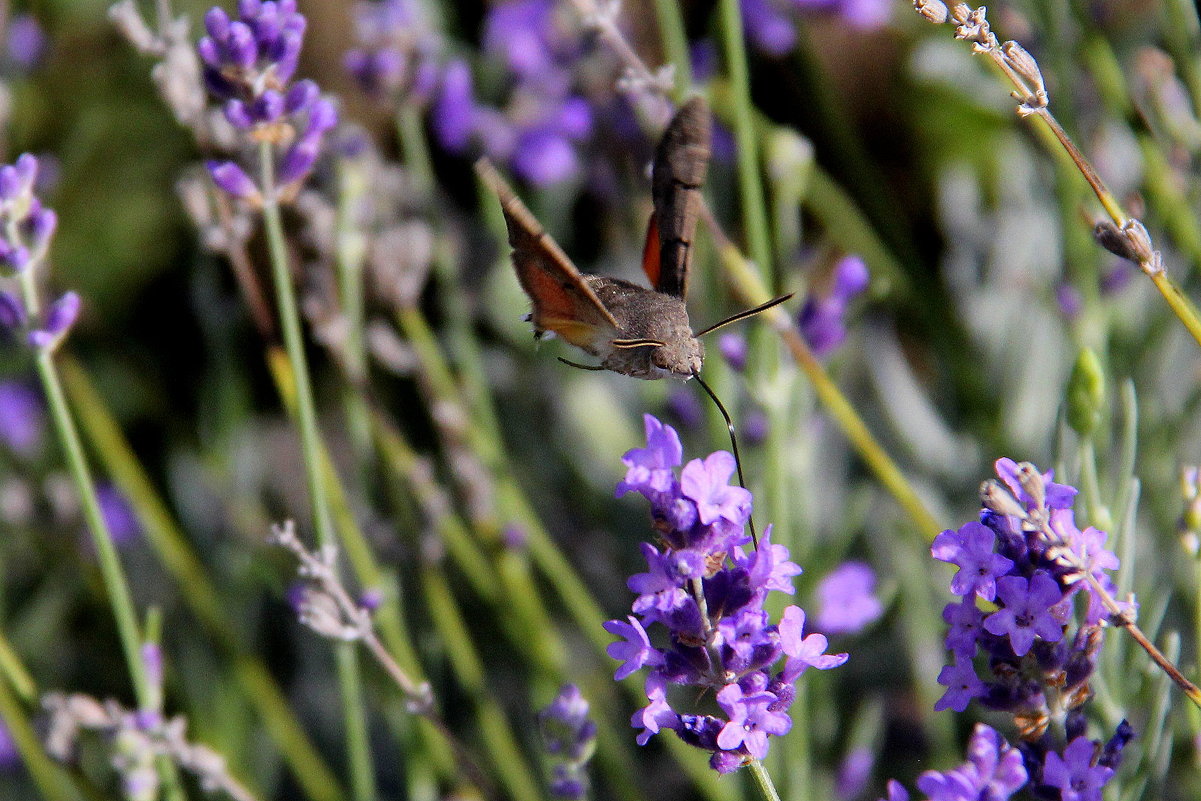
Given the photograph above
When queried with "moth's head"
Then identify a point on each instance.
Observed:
(682, 358)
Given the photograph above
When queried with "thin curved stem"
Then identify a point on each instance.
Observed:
(361, 773)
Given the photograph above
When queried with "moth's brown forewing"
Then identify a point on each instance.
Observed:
(635, 331)
(678, 174)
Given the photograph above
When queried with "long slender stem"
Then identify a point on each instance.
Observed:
(750, 184)
(763, 780)
(355, 717)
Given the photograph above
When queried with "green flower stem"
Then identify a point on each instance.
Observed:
(169, 542)
(750, 185)
(750, 287)
(362, 776)
(1181, 32)
(47, 775)
(670, 20)
(763, 780)
(350, 255)
(414, 148)
(512, 767)
(13, 671)
(115, 585)
(106, 553)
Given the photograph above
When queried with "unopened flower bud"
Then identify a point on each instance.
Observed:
(1110, 237)
(933, 10)
(1033, 484)
(1022, 63)
(995, 498)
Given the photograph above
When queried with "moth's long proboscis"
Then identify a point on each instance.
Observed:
(733, 446)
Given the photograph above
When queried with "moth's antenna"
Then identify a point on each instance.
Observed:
(742, 315)
(733, 444)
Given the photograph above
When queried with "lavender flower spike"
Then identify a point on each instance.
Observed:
(26, 228)
(709, 595)
(248, 64)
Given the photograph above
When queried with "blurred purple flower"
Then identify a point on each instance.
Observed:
(1069, 299)
(10, 757)
(25, 42)
(853, 773)
(771, 24)
(822, 316)
(122, 522)
(733, 348)
(397, 51)
(685, 407)
(566, 727)
(845, 599)
(22, 417)
(994, 770)
(60, 316)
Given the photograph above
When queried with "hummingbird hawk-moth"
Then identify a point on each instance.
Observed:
(639, 332)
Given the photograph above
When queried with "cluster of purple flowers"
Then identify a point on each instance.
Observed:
(397, 53)
(26, 228)
(545, 121)
(708, 594)
(771, 24)
(1026, 556)
(248, 63)
(570, 738)
(823, 316)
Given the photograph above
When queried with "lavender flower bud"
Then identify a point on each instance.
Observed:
(12, 311)
(233, 180)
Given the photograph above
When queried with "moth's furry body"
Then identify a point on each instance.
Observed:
(643, 313)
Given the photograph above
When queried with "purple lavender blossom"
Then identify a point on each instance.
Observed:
(1076, 774)
(846, 600)
(1027, 553)
(22, 418)
(248, 63)
(962, 685)
(1027, 612)
(822, 316)
(26, 228)
(971, 548)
